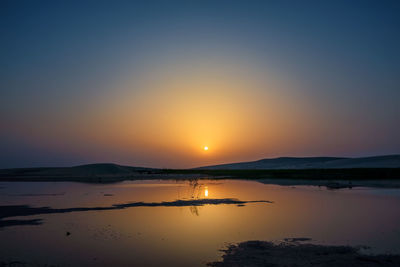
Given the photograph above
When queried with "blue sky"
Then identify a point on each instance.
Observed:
(63, 60)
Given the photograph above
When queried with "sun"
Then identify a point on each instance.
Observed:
(206, 148)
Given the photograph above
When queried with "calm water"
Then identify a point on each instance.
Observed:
(188, 235)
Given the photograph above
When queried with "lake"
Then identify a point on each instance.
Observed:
(82, 225)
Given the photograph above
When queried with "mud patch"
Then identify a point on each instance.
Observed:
(26, 210)
(262, 253)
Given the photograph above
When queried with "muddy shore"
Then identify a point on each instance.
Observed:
(295, 253)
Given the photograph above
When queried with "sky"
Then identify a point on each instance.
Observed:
(151, 83)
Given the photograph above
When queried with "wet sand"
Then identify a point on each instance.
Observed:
(294, 253)
(25, 210)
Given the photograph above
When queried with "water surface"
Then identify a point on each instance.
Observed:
(189, 235)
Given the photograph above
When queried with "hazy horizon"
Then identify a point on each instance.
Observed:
(153, 83)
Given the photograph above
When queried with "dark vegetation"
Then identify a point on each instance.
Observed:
(102, 173)
(308, 174)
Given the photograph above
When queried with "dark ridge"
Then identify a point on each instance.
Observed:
(103, 168)
(350, 174)
(381, 167)
(388, 161)
(102, 172)
(289, 160)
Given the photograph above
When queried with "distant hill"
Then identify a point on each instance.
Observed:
(95, 169)
(109, 172)
(390, 161)
(87, 171)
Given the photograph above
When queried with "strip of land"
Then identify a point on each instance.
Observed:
(293, 253)
(382, 171)
(114, 172)
(26, 210)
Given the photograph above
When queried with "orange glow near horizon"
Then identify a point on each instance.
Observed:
(247, 115)
(154, 84)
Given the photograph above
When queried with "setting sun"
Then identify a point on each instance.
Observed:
(144, 104)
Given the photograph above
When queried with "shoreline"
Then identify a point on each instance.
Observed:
(333, 184)
(329, 178)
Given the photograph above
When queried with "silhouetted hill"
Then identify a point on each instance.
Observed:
(89, 170)
(95, 169)
(390, 161)
(387, 167)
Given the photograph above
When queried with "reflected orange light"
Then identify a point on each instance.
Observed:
(206, 191)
